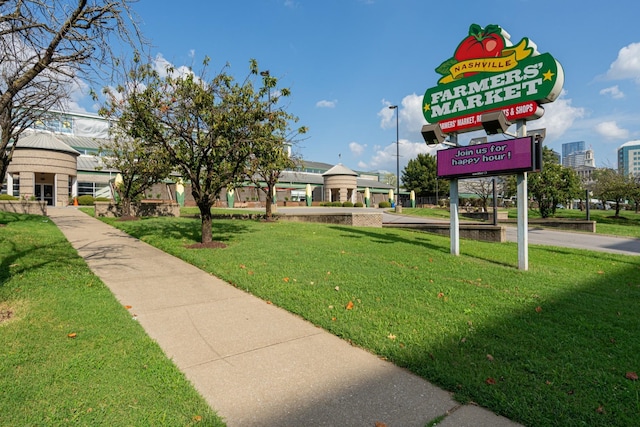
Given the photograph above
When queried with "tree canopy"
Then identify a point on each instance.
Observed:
(420, 175)
(614, 186)
(216, 131)
(554, 185)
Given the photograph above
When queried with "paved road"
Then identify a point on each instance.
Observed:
(537, 235)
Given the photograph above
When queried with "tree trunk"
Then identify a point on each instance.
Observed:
(205, 215)
(126, 207)
(267, 208)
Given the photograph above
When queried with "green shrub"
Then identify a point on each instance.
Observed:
(85, 200)
(384, 205)
(358, 204)
(347, 204)
(7, 197)
(336, 204)
(103, 199)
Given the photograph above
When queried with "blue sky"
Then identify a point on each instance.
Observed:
(346, 61)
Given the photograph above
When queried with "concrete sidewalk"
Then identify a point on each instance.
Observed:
(255, 364)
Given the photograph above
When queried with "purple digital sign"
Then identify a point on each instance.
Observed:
(495, 158)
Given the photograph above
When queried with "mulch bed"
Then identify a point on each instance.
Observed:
(208, 245)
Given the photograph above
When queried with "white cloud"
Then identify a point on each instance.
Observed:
(410, 118)
(627, 65)
(385, 157)
(162, 66)
(613, 91)
(611, 130)
(558, 117)
(387, 115)
(357, 149)
(326, 104)
(192, 53)
(362, 165)
(411, 115)
(78, 96)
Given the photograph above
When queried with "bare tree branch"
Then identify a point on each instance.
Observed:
(47, 45)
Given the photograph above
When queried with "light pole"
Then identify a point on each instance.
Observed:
(395, 107)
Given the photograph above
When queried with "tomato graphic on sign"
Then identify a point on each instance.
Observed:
(488, 43)
(481, 43)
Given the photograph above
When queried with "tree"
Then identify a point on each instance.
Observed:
(613, 185)
(269, 157)
(420, 175)
(635, 191)
(553, 185)
(45, 46)
(140, 165)
(390, 178)
(481, 187)
(210, 128)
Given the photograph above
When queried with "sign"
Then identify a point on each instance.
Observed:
(474, 121)
(495, 158)
(488, 73)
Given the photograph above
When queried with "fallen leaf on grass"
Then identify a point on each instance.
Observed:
(538, 309)
(349, 305)
(490, 381)
(600, 409)
(600, 272)
(72, 335)
(391, 337)
(128, 307)
(243, 266)
(631, 376)
(197, 418)
(286, 279)
(489, 358)
(440, 294)
(269, 302)
(337, 288)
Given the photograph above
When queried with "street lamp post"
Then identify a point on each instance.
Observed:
(395, 107)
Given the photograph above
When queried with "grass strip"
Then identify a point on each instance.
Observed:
(627, 225)
(69, 352)
(555, 345)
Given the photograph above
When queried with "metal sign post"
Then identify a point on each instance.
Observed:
(523, 208)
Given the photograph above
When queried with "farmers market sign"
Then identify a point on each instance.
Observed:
(488, 73)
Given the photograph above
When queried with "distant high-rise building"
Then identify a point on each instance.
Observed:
(629, 158)
(574, 155)
(572, 147)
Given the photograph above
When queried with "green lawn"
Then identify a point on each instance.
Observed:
(550, 346)
(69, 352)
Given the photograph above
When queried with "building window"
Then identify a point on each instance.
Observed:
(92, 189)
(16, 185)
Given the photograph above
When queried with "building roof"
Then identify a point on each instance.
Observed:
(339, 169)
(83, 142)
(88, 163)
(45, 141)
(631, 143)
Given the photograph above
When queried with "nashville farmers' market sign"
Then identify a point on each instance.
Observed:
(488, 73)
